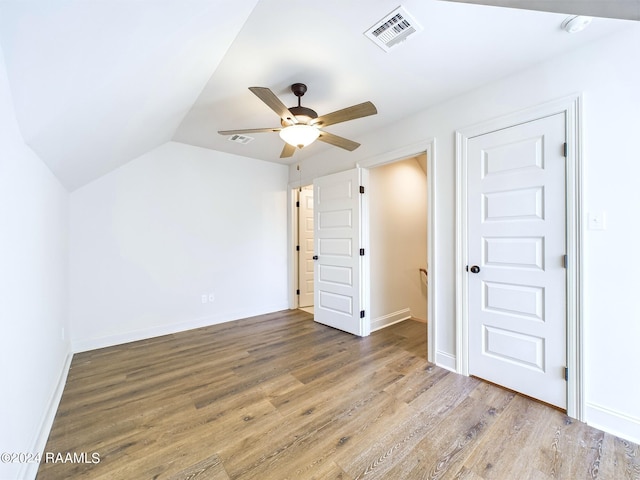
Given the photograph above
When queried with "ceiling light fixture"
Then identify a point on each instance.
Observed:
(576, 23)
(299, 135)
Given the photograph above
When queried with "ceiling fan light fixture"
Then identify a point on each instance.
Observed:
(299, 135)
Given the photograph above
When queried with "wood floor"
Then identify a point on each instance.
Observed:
(280, 397)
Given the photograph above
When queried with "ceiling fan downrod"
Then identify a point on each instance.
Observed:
(299, 89)
(303, 114)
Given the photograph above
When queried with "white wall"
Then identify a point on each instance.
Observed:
(608, 74)
(33, 290)
(398, 241)
(148, 239)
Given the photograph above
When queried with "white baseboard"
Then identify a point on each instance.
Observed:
(390, 319)
(613, 422)
(28, 471)
(86, 344)
(446, 360)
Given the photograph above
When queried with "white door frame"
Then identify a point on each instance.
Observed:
(292, 242)
(428, 147)
(571, 107)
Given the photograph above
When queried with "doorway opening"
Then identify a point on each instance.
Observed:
(426, 148)
(304, 248)
(398, 209)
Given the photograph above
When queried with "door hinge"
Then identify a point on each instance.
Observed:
(566, 374)
(565, 261)
(298, 203)
(361, 313)
(565, 150)
(297, 248)
(297, 292)
(361, 189)
(362, 252)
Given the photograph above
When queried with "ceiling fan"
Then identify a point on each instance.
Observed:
(301, 126)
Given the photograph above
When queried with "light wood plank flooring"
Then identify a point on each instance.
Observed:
(280, 397)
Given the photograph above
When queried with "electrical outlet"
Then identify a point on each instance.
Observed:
(204, 298)
(212, 298)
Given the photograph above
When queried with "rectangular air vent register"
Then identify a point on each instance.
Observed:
(243, 139)
(393, 29)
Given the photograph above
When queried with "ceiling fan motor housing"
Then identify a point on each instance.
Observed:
(302, 114)
(299, 89)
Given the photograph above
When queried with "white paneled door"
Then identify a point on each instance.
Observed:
(305, 242)
(516, 194)
(337, 240)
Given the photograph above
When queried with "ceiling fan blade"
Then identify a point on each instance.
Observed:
(287, 151)
(350, 113)
(338, 141)
(248, 130)
(274, 103)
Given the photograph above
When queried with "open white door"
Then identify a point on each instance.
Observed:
(517, 297)
(338, 269)
(305, 244)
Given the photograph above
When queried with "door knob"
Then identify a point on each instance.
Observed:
(315, 257)
(475, 269)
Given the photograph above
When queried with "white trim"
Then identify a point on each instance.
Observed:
(432, 250)
(613, 422)
(30, 470)
(575, 234)
(446, 361)
(571, 107)
(462, 296)
(292, 238)
(85, 344)
(390, 319)
(412, 150)
(365, 261)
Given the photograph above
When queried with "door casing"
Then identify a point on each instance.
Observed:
(571, 107)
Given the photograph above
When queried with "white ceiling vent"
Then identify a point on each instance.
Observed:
(243, 139)
(393, 29)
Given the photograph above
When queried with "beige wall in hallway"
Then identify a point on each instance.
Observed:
(398, 213)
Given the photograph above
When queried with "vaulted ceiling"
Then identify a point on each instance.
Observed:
(96, 84)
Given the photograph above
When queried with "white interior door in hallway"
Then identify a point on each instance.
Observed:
(339, 266)
(305, 245)
(516, 214)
